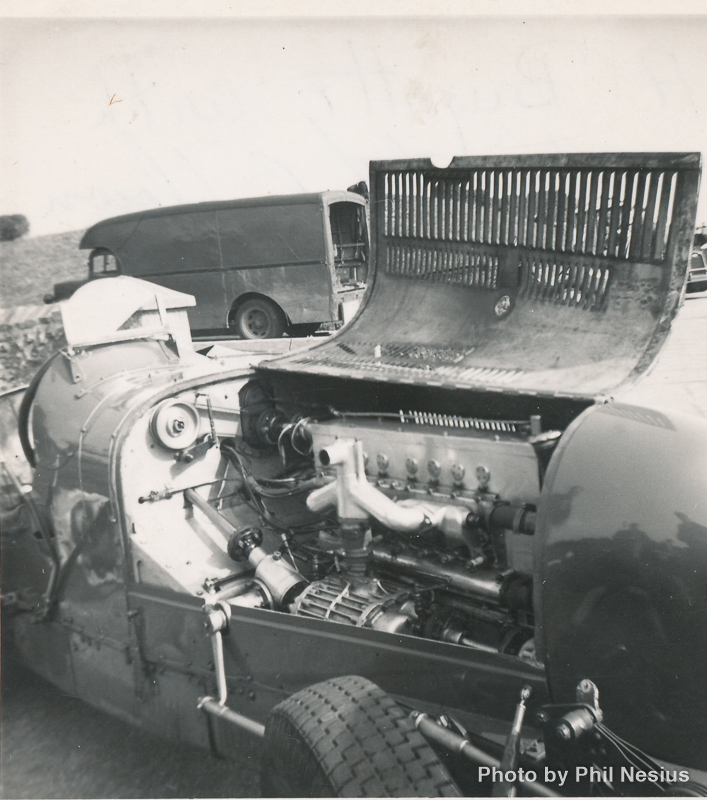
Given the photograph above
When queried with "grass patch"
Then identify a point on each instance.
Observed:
(29, 268)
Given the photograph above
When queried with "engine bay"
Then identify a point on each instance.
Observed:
(413, 523)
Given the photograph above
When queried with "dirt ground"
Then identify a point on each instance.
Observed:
(55, 746)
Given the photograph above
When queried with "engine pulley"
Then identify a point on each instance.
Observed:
(175, 424)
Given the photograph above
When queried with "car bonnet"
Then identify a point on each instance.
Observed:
(547, 275)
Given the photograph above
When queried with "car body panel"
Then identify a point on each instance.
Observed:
(620, 586)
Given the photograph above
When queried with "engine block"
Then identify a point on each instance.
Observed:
(439, 458)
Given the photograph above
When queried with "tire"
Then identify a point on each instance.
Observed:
(347, 738)
(259, 318)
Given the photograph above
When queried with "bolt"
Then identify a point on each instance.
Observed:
(178, 426)
(564, 731)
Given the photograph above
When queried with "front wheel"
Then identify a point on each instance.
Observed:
(259, 318)
(348, 738)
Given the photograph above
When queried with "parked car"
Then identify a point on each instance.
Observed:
(257, 267)
(428, 556)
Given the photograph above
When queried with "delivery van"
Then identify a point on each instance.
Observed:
(257, 267)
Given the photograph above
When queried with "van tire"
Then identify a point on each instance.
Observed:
(259, 318)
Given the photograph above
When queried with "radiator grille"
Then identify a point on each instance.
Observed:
(614, 213)
(442, 264)
(434, 364)
(566, 283)
(405, 354)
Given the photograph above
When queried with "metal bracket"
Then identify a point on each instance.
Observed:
(195, 451)
(218, 617)
(76, 372)
(576, 739)
(217, 620)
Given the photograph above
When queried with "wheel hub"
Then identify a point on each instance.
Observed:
(257, 323)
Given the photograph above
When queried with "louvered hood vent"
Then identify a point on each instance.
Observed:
(553, 275)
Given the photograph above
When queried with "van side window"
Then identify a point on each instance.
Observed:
(350, 238)
(102, 262)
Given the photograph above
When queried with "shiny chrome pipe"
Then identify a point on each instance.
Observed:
(210, 705)
(486, 584)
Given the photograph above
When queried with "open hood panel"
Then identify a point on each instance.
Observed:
(548, 275)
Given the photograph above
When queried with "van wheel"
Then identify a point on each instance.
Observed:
(259, 318)
(347, 738)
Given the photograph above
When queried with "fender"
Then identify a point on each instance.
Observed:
(621, 551)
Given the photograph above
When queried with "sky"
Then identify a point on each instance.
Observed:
(104, 116)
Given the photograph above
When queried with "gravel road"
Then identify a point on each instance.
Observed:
(56, 746)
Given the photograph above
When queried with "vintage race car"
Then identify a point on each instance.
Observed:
(431, 555)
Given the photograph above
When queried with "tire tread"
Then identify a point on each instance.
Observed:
(359, 741)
